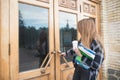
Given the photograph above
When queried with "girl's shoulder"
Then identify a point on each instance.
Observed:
(95, 45)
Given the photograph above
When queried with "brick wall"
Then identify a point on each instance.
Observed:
(110, 27)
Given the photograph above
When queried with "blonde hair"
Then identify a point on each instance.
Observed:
(88, 32)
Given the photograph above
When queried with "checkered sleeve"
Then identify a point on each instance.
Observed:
(70, 52)
(99, 57)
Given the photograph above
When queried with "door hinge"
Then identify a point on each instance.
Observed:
(9, 48)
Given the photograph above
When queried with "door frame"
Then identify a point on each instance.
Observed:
(4, 40)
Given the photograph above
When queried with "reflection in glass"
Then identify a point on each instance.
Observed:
(33, 36)
(68, 32)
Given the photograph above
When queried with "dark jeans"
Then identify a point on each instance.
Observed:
(81, 73)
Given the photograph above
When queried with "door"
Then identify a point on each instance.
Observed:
(66, 20)
(31, 40)
(66, 34)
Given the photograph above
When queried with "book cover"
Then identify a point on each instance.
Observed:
(87, 52)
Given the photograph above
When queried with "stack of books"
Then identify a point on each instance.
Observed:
(88, 53)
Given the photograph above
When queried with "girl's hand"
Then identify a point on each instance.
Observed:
(77, 52)
(63, 54)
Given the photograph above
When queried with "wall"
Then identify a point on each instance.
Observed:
(110, 18)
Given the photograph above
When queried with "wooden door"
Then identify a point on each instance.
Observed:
(31, 40)
(66, 18)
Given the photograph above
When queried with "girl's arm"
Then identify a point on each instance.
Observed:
(72, 52)
(68, 52)
(99, 57)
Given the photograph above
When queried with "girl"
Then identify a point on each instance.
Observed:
(90, 39)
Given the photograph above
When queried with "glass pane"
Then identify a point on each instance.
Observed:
(33, 36)
(68, 32)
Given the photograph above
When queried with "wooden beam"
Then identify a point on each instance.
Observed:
(4, 40)
(0, 38)
(14, 66)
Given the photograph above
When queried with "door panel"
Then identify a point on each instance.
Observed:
(33, 36)
(66, 72)
(42, 77)
(34, 74)
(35, 49)
(66, 33)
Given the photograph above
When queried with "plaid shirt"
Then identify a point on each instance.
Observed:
(97, 62)
(90, 74)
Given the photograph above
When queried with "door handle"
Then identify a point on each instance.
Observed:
(67, 65)
(43, 63)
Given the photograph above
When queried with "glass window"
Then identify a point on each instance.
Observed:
(68, 32)
(33, 36)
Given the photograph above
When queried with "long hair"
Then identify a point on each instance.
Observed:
(88, 32)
